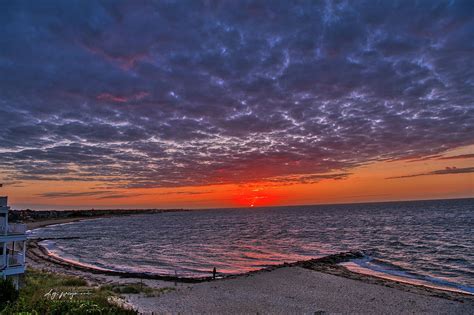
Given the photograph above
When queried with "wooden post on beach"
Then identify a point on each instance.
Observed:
(214, 271)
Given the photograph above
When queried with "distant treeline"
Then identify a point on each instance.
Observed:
(33, 215)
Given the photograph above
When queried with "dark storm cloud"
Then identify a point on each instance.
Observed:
(164, 94)
(446, 171)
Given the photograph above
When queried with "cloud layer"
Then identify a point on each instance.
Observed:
(448, 170)
(166, 94)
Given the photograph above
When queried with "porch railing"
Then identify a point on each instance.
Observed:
(17, 228)
(15, 260)
(13, 229)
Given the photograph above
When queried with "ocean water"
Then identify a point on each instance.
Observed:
(429, 242)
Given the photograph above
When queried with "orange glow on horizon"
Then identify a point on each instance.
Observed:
(366, 183)
(256, 197)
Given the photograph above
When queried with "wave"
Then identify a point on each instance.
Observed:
(387, 270)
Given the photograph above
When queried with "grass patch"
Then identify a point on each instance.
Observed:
(136, 288)
(74, 282)
(159, 291)
(47, 293)
(128, 288)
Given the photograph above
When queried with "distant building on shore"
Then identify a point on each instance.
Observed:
(12, 245)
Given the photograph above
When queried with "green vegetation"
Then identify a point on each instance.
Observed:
(136, 288)
(129, 288)
(164, 290)
(46, 293)
(8, 293)
(73, 282)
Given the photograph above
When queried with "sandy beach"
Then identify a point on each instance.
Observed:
(316, 286)
(296, 290)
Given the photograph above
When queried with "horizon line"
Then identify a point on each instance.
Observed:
(256, 207)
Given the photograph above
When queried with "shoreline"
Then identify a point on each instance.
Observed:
(329, 265)
(44, 223)
(35, 219)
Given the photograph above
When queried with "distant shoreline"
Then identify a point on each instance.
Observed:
(44, 223)
(248, 207)
(35, 219)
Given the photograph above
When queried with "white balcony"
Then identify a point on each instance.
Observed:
(15, 260)
(4, 205)
(17, 228)
(13, 229)
(14, 264)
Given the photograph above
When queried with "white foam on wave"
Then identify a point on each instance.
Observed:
(361, 266)
(55, 252)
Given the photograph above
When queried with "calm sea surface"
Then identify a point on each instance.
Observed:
(431, 241)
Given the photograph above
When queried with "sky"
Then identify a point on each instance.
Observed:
(199, 104)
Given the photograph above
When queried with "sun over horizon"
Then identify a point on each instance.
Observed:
(402, 180)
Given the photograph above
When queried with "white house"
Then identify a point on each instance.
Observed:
(12, 245)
